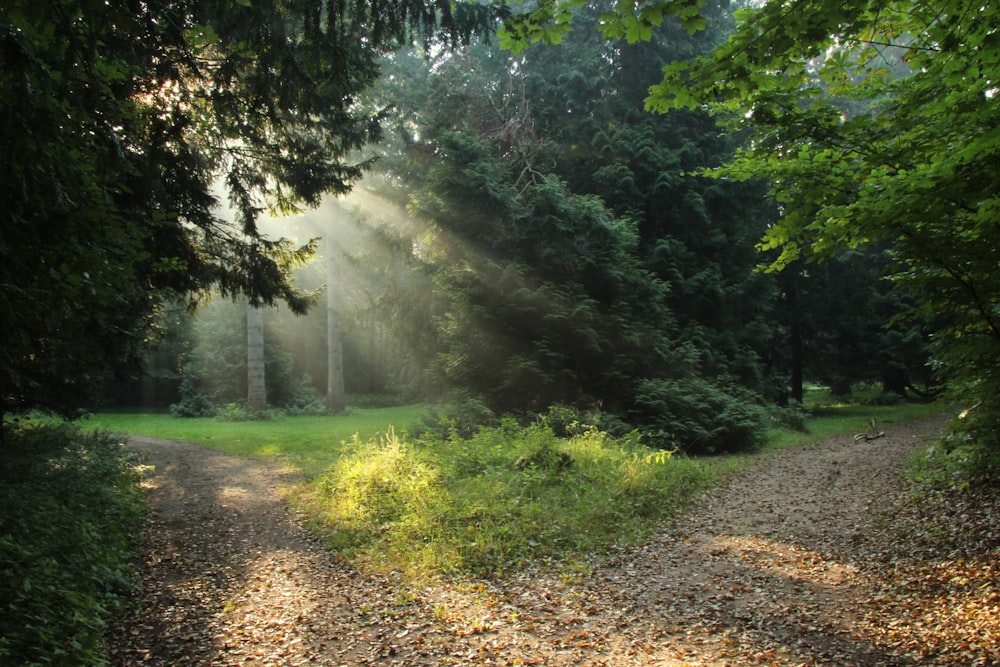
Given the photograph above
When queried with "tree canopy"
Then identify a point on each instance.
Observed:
(575, 261)
(126, 125)
(874, 123)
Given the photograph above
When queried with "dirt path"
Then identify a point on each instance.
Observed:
(786, 565)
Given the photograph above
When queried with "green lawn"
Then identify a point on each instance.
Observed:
(831, 419)
(310, 444)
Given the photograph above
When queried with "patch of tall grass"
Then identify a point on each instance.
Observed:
(504, 498)
(71, 513)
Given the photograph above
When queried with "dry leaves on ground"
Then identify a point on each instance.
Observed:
(792, 563)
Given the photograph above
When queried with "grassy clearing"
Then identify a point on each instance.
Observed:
(309, 444)
(441, 505)
(70, 522)
(829, 419)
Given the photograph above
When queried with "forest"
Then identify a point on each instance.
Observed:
(529, 235)
(666, 220)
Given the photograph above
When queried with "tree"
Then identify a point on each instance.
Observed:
(844, 323)
(859, 151)
(545, 294)
(335, 398)
(120, 118)
(256, 374)
(695, 234)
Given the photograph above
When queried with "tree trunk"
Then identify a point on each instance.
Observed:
(256, 388)
(335, 399)
(795, 343)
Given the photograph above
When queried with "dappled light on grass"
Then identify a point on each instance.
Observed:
(269, 449)
(484, 506)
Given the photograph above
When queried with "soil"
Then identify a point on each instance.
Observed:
(813, 556)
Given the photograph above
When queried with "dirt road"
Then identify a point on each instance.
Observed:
(794, 562)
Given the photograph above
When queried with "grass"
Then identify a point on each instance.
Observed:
(830, 419)
(440, 505)
(309, 444)
(506, 497)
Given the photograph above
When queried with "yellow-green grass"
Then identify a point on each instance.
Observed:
(444, 506)
(310, 444)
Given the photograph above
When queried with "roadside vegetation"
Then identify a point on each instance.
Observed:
(390, 489)
(405, 489)
(71, 514)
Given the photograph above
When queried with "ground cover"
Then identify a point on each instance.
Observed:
(483, 506)
(794, 560)
(71, 519)
(310, 444)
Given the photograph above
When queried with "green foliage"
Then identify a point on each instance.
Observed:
(875, 131)
(71, 514)
(214, 369)
(693, 234)
(548, 21)
(698, 417)
(570, 243)
(959, 461)
(461, 417)
(853, 325)
(871, 122)
(120, 120)
(792, 416)
(505, 497)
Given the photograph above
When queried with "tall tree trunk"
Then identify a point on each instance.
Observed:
(795, 342)
(256, 388)
(335, 399)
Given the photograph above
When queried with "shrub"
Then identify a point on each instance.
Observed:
(791, 416)
(303, 398)
(193, 403)
(237, 412)
(698, 417)
(461, 417)
(379, 497)
(71, 514)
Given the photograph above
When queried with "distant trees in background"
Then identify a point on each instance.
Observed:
(560, 247)
(563, 246)
(120, 121)
(872, 124)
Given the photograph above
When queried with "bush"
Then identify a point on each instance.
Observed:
(237, 412)
(461, 417)
(792, 416)
(193, 403)
(697, 417)
(303, 399)
(376, 400)
(71, 514)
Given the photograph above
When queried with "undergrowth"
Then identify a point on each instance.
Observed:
(507, 496)
(70, 518)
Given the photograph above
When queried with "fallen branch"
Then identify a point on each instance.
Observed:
(871, 433)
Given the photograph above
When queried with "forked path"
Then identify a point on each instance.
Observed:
(775, 568)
